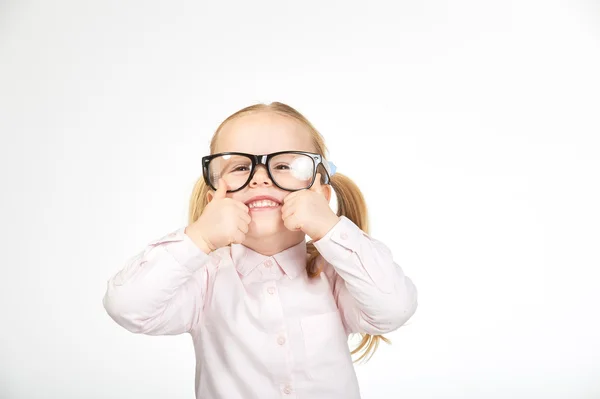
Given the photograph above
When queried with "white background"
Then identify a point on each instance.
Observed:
(471, 126)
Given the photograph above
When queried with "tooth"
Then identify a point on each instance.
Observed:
(262, 204)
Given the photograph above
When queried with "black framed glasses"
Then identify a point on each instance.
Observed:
(288, 170)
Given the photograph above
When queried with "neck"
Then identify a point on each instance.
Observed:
(274, 244)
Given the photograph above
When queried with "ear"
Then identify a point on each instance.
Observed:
(321, 188)
(327, 189)
(210, 195)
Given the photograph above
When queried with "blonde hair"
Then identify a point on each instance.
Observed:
(350, 201)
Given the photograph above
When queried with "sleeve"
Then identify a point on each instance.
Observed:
(371, 291)
(161, 290)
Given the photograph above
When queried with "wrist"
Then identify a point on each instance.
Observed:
(327, 226)
(198, 240)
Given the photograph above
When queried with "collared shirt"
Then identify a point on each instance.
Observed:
(261, 327)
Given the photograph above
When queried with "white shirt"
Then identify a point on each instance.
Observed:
(261, 327)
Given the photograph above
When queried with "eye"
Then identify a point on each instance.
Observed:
(282, 166)
(239, 168)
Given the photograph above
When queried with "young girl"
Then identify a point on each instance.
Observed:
(269, 313)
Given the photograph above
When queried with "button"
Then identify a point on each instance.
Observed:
(271, 290)
(269, 263)
(344, 236)
(287, 390)
(281, 340)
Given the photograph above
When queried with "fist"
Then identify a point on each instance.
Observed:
(223, 221)
(309, 211)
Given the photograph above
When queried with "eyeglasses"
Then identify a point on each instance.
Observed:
(288, 170)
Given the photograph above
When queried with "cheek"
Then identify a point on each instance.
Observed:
(236, 196)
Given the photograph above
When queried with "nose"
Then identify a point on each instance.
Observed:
(261, 177)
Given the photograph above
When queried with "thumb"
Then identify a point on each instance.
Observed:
(317, 187)
(221, 190)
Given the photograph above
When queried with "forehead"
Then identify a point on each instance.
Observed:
(262, 133)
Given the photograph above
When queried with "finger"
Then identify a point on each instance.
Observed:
(291, 223)
(241, 206)
(289, 200)
(221, 190)
(287, 221)
(291, 196)
(239, 237)
(288, 209)
(245, 217)
(243, 226)
(317, 187)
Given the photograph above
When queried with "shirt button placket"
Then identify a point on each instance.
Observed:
(288, 391)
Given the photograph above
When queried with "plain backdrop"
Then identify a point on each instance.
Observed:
(472, 128)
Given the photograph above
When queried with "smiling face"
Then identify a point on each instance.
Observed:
(260, 133)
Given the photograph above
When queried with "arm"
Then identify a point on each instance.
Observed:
(161, 290)
(371, 291)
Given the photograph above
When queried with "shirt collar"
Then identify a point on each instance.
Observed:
(292, 260)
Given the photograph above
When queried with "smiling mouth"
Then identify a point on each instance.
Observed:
(263, 204)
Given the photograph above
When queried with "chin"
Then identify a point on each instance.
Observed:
(266, 228)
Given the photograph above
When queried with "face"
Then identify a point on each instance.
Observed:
(263, 133)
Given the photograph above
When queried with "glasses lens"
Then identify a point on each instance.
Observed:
(292, 171)
(234, 169)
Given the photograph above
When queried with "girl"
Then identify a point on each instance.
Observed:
(269, 313)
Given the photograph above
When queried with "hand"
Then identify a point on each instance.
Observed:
(309, 211)
(223, 221)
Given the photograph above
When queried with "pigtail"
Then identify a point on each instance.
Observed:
(198, 200)
(351, 204)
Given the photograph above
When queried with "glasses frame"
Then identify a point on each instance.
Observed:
(258, 160)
